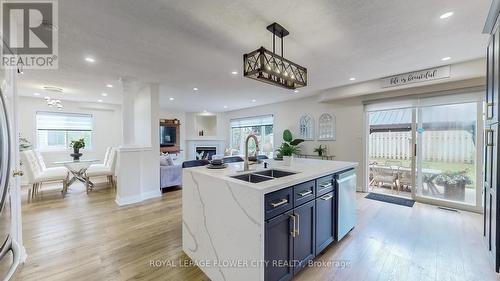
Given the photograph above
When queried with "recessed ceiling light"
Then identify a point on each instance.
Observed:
(171, 99)
(195, 89)
(225, 106)
(446, 15)
(104, 94)
(254, 100)
(445, 58)
(36, 94)
(99, 100)
(109, 86)
(89, 59)
(234, 73)
(296, 91)
(352, 78)
(204, 111)
(53, 89)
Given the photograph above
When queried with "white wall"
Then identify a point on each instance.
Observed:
(107, 126)
(194, 124)
(348, 145)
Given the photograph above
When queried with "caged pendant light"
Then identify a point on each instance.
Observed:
(266, 66)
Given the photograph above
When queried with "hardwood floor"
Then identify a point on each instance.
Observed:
(90, 238)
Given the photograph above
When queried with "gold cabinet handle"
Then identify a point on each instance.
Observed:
(297, 231)
(327, 197)
(277, 204)
(305, 193)
(294, 224)
(17, 173)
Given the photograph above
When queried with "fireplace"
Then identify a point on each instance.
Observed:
(205, 152)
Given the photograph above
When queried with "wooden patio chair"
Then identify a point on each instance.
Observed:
(382, 175)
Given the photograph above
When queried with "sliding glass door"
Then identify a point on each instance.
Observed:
(390, 152)
(446, 152)
(426, 151)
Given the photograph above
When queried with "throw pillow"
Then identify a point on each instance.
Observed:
(170, 161)
(163, 160)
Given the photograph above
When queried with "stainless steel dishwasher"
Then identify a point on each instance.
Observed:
(346, 190)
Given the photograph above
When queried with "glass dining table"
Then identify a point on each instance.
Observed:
(78, 168)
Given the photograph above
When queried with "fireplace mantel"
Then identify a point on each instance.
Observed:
(191, 144)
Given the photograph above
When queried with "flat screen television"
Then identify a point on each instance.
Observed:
(168, 136)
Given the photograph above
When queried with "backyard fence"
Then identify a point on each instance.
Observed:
(440, 146)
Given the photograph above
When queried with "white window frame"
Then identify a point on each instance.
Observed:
(88, 148)
(243, 119)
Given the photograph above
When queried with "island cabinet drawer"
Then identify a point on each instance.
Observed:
(303, 193)
(278, 202)
(324, 185)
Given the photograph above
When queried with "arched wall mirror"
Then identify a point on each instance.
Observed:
(326, 127)
(306, 127)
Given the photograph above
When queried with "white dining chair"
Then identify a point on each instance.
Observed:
(107, 168)
(38, 173)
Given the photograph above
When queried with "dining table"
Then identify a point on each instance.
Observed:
(78, 169)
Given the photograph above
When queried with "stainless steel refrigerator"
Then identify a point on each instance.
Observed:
(9, 250)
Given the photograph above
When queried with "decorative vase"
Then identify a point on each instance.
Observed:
(76, 154)
(287, 160)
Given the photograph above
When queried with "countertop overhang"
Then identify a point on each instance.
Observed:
(305, 169)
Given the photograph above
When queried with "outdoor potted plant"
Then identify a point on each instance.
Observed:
(289, 147)
(77, 145)
(320, 150)
(454, 184)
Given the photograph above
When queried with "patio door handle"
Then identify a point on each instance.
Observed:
(488, 105)
(489, 137)
(415, 150)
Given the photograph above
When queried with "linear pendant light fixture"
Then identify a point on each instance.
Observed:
(268, 67)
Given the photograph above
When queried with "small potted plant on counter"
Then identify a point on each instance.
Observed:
(77, 145)
(320, 150)
(289, 147)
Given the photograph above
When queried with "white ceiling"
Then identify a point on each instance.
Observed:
(186, 44)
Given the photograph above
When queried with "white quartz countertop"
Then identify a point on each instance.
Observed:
(305, 169)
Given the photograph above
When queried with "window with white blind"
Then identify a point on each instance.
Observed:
(261, 126)
(56, 130)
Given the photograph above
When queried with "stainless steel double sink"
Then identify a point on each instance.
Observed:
(263, 176)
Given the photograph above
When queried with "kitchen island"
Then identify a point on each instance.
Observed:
(268, 224)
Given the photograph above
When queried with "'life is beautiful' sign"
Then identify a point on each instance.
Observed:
(416, 77)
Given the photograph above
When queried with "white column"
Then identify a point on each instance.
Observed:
(138, 158)
(130, 87)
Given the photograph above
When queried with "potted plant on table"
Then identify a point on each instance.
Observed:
(77, 145)
(320, 150)
(289, 147)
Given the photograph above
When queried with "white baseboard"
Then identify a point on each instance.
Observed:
(151, 194)
(122, 201)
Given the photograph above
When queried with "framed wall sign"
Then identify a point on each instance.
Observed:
(416, 77)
